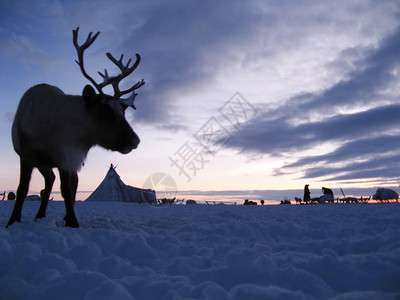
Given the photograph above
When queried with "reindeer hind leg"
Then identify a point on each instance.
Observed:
(49, 178)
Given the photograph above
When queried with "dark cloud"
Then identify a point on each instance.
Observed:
(268, 135)
(383, 165)
(182, 45)
(370, 135)
(366, 148)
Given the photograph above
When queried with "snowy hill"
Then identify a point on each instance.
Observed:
(131, 251)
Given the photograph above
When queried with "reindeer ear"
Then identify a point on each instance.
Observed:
(88, 93)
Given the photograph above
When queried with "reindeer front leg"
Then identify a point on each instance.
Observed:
(69, 184)
(22, 191)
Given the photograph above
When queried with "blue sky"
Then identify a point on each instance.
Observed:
(320, 81)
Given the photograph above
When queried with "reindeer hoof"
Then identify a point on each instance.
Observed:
(72, 223)
(9, 223)
(14, 218)
(40, 216)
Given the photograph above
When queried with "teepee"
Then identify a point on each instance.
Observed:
(112, 188)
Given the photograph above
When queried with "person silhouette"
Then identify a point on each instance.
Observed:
(307, 193)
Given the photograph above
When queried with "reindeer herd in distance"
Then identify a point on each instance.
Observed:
(55, 130)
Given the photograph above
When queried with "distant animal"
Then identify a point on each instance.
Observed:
(247, 202)
(383, 194)
(299, 200)
(166, 201)
(55, 130)
(286, 202)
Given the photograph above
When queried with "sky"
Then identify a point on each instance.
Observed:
(246, 96)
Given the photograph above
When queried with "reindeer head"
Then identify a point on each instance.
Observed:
(107, 80)
(114, 132)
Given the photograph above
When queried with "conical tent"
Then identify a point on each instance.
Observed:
(112, 188)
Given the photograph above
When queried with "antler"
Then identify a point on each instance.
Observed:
(114, 80)
(80, 50)
(125, 71)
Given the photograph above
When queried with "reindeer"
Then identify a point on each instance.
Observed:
(55, 130)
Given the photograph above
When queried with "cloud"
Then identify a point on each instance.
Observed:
(182, 45)
(186, 45)
(365, 158)
(359, 115)
(359, 105)
(28, 53)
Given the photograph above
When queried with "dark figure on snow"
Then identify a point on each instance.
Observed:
(307, 194)
(11, 196)
(328, 194)
(247, 202)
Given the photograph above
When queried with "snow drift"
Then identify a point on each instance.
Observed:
(132, 251)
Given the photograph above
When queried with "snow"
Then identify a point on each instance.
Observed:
(132, 251)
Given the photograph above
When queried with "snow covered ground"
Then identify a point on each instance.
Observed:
(129, 251)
